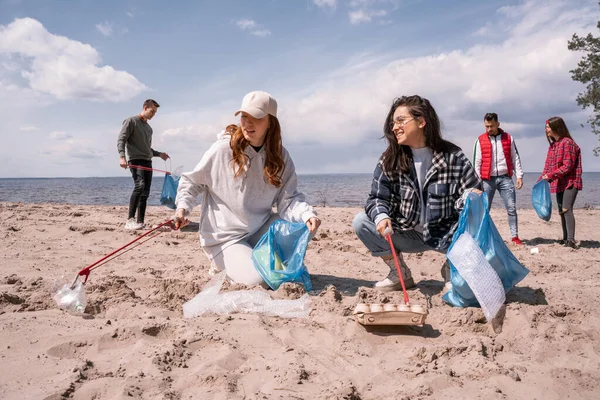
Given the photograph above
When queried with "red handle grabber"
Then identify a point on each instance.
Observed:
(388, 236)
(86, 271)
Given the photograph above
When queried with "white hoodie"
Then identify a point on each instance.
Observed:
(235, 208)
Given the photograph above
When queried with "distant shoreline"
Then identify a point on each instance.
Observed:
(158, 174)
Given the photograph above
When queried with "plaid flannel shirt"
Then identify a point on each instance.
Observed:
(563, 165)
(450, 175)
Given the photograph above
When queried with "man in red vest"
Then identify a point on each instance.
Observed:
(496, 160)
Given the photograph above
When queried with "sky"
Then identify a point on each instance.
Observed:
(72, 71)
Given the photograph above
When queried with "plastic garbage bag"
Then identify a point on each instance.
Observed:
(279, 254)
(209, 300)
(541, 200)
(481, 278)
(169, 191)
(71, 299)
(475, 219)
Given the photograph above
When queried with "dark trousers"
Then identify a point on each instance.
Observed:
(142, 181)
(565, 201)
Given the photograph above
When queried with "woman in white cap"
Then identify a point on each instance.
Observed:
(241, 177)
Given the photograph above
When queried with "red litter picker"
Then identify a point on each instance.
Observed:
(72, 298)
(391, 314)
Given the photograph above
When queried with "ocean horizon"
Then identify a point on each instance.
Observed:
(332, 190)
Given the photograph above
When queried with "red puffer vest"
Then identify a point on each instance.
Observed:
(486, 154)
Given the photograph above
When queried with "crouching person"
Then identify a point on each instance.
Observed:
(417, 190)
(241, 177)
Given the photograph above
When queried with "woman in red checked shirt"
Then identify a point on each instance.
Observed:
(563, 171)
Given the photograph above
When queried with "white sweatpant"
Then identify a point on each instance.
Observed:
(236, 259)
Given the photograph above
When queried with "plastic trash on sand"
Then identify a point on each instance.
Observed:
(473, 267)
(210, 301)
(178, 171)
(71, 299)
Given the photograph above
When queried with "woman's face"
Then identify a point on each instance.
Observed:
(407, 129)
(550, 133)
(254, 129)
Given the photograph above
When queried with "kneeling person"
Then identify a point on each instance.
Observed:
(417, 190)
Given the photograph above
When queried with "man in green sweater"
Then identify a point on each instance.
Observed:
(136, 139)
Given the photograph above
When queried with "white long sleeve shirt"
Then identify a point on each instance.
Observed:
(499, 166)
(234, 208)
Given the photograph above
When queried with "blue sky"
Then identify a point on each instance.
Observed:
(71, 71)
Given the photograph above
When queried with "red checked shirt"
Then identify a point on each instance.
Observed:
(563, 165)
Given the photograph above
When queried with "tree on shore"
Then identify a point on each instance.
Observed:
(588, 73)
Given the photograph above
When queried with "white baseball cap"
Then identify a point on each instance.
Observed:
(258, 104)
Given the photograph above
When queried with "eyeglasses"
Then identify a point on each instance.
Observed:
(401, 124)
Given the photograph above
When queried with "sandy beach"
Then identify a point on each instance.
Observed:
(133, 341)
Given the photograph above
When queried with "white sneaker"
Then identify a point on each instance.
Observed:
(131, 225)
(392, 282)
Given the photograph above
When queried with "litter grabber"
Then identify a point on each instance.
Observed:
(72, 297)
(148, 169)
(176, 173)
(391, 314)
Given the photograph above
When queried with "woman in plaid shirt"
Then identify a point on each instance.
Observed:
(417, 190)
(563, 171)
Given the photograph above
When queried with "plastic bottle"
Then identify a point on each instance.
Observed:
(71, 299)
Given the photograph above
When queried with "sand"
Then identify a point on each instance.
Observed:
(133, 341)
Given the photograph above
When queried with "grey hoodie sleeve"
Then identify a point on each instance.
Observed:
(126, 130)
(291, 204)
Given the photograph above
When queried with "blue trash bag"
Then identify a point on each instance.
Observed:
(475, 219)
(279, 254)
(169, 191)
(541, 200)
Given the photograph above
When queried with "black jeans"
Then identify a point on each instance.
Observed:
(565, 201)
(142, 181)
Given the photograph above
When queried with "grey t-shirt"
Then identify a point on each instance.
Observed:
(136, 136)
(422, 159)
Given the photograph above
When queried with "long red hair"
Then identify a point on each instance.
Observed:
(274, 164)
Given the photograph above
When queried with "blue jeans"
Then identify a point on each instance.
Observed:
(505, 185)
(404, 241)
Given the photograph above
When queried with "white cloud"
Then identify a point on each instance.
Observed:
(29, 128)
(69, 148)
(250, 26)
(524, 77)
(484, 30)
(62, 67)
(14, 96)
(331, 4)
(245, 24)
(260, 32)
(59, 135)
(525, 73)
(363, 11)
(365, 16)
(105, 28)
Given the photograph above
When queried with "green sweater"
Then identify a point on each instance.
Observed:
(136, 136)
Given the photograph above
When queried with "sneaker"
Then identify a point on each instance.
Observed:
(392, 285)
(572, 244)
(392, 282)
(132, 225)
(516, 241)
(562, 242)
